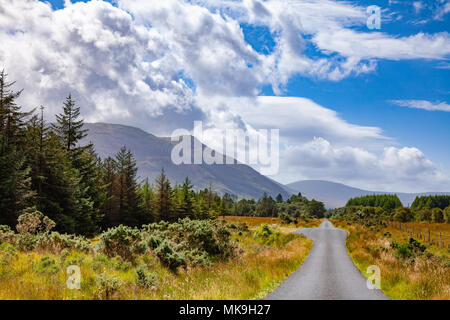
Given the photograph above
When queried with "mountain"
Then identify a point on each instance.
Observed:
(153, 153)
(336, 195)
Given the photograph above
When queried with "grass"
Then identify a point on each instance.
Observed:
(255, 271)
(256, 221)
(421, 276)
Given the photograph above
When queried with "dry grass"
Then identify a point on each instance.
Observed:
(425, 277)
(256, 221)
(256, 270)
(439, 234)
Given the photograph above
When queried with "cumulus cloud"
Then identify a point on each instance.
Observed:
(160, 65)
(393, 169)
(423, 104)
(113, 67)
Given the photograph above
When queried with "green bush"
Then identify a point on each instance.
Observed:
(286, 218)
(169, 257)
(266, 235)
(437, 215)
(145, 279)
(189, 242)
(32, 223)
(46, 265)
(121, 241)
(9, 253)
(7, 235)
(107, 286)
(55, 242)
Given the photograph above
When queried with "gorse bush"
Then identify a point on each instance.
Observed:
(145, 279)
(122, 241)
(408, 249)
(107, 286)
(169, 256)
(7, 235)
(266, 235)
(55, 242)
(189, 241)
(46, 265)
(286, 218)
(32, 223)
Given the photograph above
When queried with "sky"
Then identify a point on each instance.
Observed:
(363, 106)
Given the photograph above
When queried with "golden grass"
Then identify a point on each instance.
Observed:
(251, 275)
(425, 278)
(256, 221)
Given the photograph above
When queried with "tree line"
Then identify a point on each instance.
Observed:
(377, 208)
(48, 168)
(385, 201)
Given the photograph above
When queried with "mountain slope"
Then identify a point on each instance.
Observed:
(153, 153)
(337, 194)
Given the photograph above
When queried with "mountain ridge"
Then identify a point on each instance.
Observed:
(153, 153)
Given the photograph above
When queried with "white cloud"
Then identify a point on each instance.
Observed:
(114, 68)
(392, 169)
(160, 65)
(423, 104)
(418, 6)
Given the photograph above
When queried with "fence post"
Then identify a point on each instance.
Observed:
(429, 236)
(440, 239)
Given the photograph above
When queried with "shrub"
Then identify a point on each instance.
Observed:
(32, 223)
(189, 241)
(286, 218)
(46, 265)
(107, 286)
(9, 253)
(121, 241)
(447, 214)
(266, 235)
(403, 214)
(7, 235)
(55, 242)
(145, 279)
(169, 256)
(437, 215)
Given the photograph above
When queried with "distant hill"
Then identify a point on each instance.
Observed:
(153, 153)
(336, 195)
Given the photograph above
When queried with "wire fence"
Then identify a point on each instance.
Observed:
(424, 233)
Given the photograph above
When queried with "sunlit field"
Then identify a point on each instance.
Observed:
(263, 259)
(409, 269)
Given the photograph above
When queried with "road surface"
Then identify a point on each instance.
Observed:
(328, 273)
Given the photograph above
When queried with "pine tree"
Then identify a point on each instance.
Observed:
(68, 127)
(163, 201)
(15, 183)
(92, 193)
(187, 199)
(147, 197)
(128, 197)
(109, 179)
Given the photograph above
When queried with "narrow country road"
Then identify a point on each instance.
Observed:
(327, 273)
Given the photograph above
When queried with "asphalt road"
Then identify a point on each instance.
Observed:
(328, 273)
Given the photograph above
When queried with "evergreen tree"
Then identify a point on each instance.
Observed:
(92, 193)
(128, 197)
(279, 198)
(109, 210)
(15, 183)
(163, 201)
(147, 197)
(69, 127)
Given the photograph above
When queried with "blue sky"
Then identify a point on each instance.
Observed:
(373, 91)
